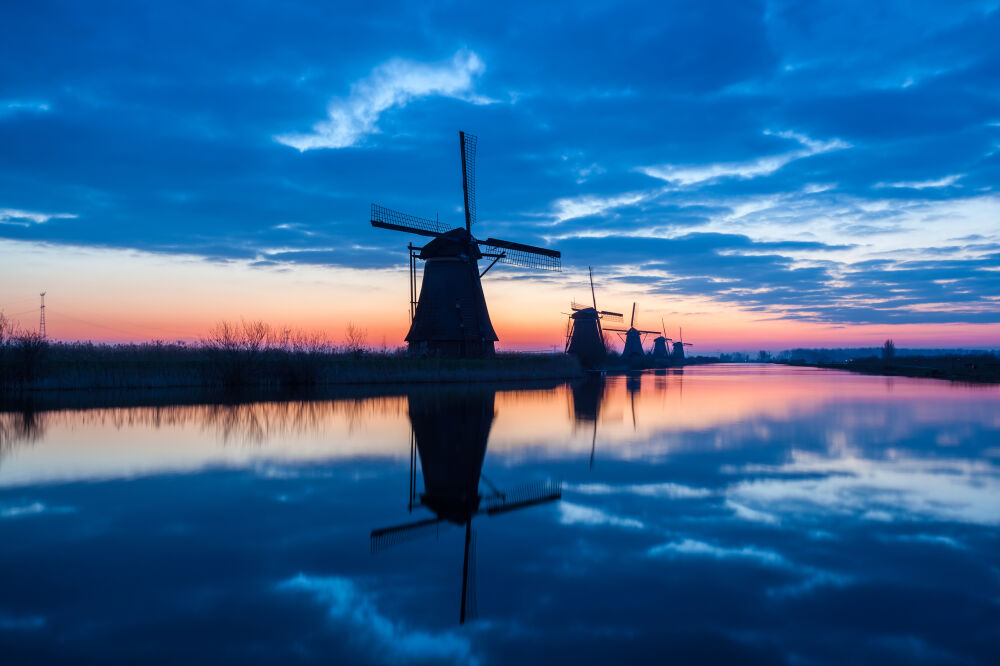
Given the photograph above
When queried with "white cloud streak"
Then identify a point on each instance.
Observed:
(24, 218)
(684, 175)
(392, 84)
(947, 181)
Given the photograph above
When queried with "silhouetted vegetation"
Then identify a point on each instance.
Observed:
(248, 355)
(969, 366)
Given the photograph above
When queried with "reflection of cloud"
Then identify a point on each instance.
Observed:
(392, 84)
(754, 516)
(575, 514)
(347, 604)
(666, 489)
(935, 539)
(32, 509)
(703, 549)
(949, 490)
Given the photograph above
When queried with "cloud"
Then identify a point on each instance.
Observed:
(24, 218)
(685, 175)
(347, 604)
(752, 515)
(947, 181)
(703, 549)
(14, 106)
(570, 208)
(393, 84)
(575, 514)
(32, 509)
(665, 489)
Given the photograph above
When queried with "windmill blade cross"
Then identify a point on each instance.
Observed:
(386, 218)
(519, 254)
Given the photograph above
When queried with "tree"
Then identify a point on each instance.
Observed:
(356, 340)
(888, 350)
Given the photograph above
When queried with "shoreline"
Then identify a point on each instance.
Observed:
(981, 369)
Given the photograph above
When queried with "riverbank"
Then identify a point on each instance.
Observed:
(84, 367)
(983, 368)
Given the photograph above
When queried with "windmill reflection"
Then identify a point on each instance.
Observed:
(451, 430)
(587, 398)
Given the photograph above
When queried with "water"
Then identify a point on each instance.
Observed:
(728, 514)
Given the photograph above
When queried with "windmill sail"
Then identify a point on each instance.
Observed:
(519, 254)
(390, 536)
(386, 218)
(468, 143)
(521, 497)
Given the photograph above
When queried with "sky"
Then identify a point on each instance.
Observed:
(763, 174)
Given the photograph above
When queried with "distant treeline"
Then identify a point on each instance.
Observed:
(246, 355)
(853, 353)
(973, 366)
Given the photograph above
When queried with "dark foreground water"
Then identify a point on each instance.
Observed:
(729, 514)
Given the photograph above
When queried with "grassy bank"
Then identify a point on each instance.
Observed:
(955, 367)
(80, 366)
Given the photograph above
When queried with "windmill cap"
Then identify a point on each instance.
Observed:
(454, 243)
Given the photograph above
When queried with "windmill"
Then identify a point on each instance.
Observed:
(450, 433)
(679, 345)
(450, 318)
(633, 353)
(661, 355)
(585, 337)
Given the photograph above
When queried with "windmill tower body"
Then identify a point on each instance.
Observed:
(660, 352)
(586, 341)
(451, 318)
(633, 346)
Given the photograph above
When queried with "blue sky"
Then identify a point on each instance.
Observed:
(831, 162)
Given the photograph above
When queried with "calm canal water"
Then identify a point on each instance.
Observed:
(725, 514)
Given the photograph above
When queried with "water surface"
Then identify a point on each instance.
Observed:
(726, 514)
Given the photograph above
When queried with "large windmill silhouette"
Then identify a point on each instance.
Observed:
(450, 433)
(450, 318)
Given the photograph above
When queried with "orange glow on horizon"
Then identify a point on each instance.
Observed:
(124, 296)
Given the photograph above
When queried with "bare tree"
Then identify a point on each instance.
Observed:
(888, 350)
(356, 340)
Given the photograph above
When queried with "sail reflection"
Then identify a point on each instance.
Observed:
(451, 429)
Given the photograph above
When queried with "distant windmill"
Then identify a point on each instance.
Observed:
(450, 433)
(450, 317)
(679, 346)
(661, 355)
(633, 353)
(585, 337)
